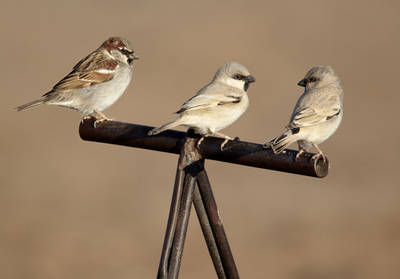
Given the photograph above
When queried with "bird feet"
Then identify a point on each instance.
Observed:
(267, 145)
(227, 139)
(201, 140)
(315, 156)
(301, 151)
(100, 119)
(319, 153)
(85, 117)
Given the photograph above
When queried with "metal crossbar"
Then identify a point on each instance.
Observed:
(192, 185)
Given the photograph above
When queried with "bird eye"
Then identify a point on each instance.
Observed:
(312, 79)
(125, 51)
(238, 77)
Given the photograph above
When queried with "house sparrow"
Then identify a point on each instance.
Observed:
(96, 82)
(317, 114)
(215, 106)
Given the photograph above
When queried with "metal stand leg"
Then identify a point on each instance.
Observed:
(171, 226)
(182, 225)
(208, 234)
(217, 228)
(190, 170)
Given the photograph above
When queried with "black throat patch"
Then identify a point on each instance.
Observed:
(246, 86)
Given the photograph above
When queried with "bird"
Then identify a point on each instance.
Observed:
(316, 115)
(95, 82)
(215, 106)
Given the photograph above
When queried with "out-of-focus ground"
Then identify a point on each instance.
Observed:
(74, 209)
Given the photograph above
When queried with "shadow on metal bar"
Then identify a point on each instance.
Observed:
(236, 152)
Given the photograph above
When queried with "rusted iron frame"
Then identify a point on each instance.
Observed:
(191, 169)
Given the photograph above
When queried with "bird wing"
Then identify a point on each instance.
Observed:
(96, 68)
(212, 95)
(315, 107)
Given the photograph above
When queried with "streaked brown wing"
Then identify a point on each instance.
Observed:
(76, 80)
(95, 61)
(87, 73)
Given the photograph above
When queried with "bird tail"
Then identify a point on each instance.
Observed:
(31, 104)
(166, 126)
(278, 144)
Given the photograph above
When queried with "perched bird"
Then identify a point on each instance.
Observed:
(217, 105)
(317, 114)
(96, 82)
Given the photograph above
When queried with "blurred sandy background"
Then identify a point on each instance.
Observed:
(74, 209)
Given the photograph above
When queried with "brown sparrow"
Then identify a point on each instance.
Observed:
(215, 106)
(96, 82)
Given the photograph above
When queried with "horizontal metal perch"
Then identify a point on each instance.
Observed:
(235, 152)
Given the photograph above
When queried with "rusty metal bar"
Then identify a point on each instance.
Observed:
(181, 227)
(172, 222)
(217, 228)
(238, 152)
(208, 234)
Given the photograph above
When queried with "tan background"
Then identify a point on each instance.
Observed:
(74, 209)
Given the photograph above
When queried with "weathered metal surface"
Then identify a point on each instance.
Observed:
(208, 234)
(236, 152)
(216, 225)
(181, 227)
(171, 225)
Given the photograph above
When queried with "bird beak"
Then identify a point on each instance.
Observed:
(250, 79)
(135, 56)
(302, 82)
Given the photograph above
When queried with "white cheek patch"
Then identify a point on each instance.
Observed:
(235, 83)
